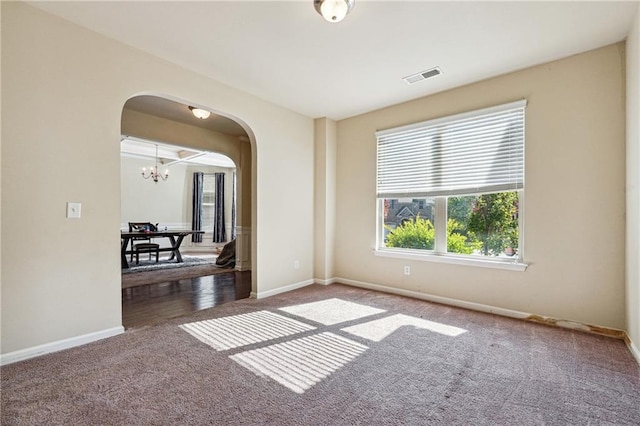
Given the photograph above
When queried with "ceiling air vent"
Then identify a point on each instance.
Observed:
(423, 75)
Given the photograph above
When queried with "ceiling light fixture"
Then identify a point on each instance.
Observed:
(153, 171)
(333, 10)
(200, 113)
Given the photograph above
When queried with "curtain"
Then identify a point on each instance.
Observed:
(219, 234)
(233, 209)
(196, 221)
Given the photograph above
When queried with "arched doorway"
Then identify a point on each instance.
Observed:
(186, 146)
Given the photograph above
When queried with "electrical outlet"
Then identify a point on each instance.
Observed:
(73, 210)
(407, 270)
(296, 264)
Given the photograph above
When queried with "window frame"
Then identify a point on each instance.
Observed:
(440, 253)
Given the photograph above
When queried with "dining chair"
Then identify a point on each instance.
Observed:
(148, 246)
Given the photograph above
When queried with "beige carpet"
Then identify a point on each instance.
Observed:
(331, 355)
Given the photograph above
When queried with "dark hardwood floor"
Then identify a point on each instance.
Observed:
(153, 303)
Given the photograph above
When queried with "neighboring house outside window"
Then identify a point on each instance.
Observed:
(453, 187)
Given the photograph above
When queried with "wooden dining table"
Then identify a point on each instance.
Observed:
(175, 238)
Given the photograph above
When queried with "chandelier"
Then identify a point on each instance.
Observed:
(153, 171)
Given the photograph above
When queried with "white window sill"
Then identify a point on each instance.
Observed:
(455, 260)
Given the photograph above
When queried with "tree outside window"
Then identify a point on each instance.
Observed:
(484, 224)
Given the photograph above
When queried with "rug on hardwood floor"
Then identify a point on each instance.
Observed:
(147, 265)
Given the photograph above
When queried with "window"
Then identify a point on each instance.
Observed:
(208, 202)
(209, 205)
(454, 186)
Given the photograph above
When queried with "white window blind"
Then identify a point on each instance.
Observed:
(476, 152)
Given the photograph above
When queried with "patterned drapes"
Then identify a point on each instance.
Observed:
(219, 234)
(196, 221)
(233, 209)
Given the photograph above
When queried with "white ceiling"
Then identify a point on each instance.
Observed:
(175, 111)
(286, 53)
(169, 155)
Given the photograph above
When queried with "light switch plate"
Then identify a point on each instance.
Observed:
(73, 210)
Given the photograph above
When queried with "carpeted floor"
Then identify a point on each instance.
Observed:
(331, 355)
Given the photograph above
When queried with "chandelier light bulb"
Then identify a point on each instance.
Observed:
(152, 173)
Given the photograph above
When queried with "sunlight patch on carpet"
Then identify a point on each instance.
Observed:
(244, 329)
(379, 329)
(332, 311)
(301, 363)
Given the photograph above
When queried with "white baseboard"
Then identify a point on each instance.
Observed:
(634, 349)
(573, 325)
(324, 282)
(431, 298)
(47, 348)
(295, 286)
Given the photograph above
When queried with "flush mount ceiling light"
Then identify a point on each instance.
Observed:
(333, 10)
(200, 113)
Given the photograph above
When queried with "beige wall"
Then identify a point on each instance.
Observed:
(158, 129)
(574, 212)
(144, 200)
(325, 197)
(167, 203)
(633, 185)
(64, 89)
(1, 182)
